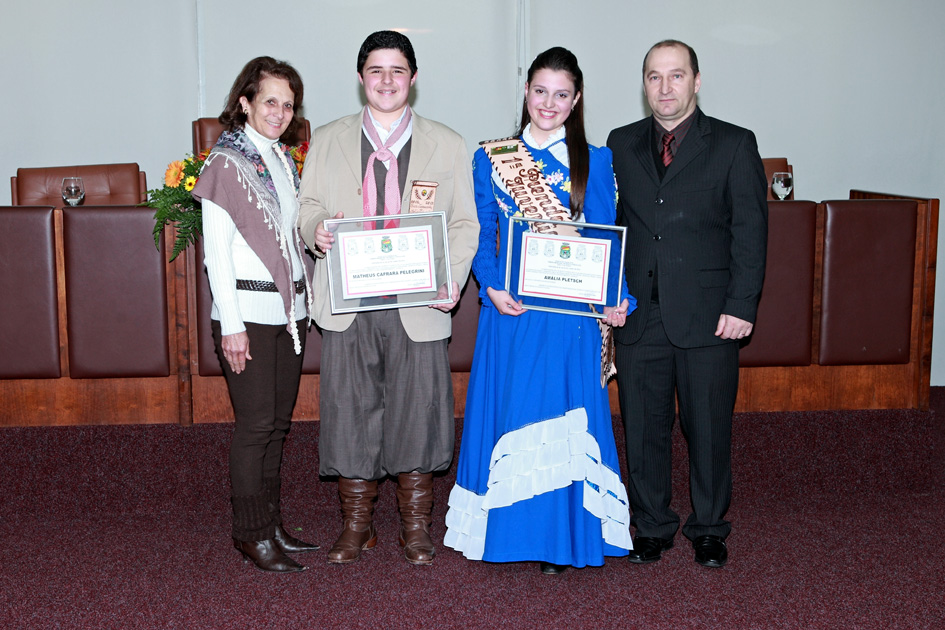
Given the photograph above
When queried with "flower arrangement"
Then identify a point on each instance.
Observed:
(298, 155)
(173, 203)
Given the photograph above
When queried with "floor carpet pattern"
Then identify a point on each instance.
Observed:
(837, 523)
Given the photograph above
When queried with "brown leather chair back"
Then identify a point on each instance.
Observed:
(782, 332)
(105, 185)
(465, 325)
(206, 131)
(312, 361)
(868, 282)
(29, 311)
(777, 165)
(116, 293)
(208, 362)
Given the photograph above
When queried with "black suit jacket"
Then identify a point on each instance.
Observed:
(703, 229)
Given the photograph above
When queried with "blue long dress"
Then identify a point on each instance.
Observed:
(538, 477)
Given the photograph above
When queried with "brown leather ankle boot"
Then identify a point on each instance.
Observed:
(253, 535)
(415, 499)
(357, 508)
(267, 556)
(287, 542)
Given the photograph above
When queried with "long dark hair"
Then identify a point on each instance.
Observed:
(562, 59)
(247, 84)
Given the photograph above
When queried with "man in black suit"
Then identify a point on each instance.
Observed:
(692, 195)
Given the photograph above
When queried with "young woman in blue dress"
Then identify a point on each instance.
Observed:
(538, 477)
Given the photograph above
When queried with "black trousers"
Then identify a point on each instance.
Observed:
(651, 374)
(263, 397)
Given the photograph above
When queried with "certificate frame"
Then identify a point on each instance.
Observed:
(368, 273)
(558, 282)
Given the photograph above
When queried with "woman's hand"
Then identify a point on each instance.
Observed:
(324, 238)
(236, 351)
(617, 315)
(504, 303)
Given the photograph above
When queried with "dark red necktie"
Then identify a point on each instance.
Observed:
(666, 154)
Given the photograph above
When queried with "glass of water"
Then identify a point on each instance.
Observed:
(782, 184)
(73, 190)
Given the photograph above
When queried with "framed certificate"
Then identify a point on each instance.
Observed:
(570, 272)
(373, 267)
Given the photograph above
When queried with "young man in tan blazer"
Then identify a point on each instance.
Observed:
(386, 399)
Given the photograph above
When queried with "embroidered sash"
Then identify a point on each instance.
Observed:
(526, 184)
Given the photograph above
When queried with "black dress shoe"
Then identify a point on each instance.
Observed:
(290, 544)
(548, 568)
(710, 551)
(267, 556)
(646, 550)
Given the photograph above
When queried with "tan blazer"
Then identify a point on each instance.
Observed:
(331, 183)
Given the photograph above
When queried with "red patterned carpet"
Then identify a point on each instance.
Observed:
(838, 521)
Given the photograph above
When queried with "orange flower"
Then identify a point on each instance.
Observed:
(189, 183)
(173, 174)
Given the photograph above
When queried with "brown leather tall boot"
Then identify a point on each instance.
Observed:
(357, 508)
(415, 499)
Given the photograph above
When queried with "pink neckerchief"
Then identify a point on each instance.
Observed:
(392, 183)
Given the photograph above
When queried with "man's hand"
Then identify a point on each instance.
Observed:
(617, 315)
(442, 293)
(730, 327)
(324, 238)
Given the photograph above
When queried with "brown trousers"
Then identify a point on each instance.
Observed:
(263, 397)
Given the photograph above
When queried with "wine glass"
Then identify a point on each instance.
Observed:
(73, 190)
(782, 184)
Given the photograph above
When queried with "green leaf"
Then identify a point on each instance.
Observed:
(178, 208)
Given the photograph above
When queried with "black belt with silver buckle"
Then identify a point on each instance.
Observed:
(268, 287)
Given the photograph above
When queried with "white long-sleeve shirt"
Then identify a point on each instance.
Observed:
(228, 256)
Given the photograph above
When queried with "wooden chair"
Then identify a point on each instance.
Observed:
(872, 308)
(90, 319)
(105, 185)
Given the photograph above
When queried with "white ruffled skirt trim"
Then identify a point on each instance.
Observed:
(539, 458)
